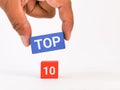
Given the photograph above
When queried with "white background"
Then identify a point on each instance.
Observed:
(91, 60)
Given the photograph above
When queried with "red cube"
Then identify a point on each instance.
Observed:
(49, 69)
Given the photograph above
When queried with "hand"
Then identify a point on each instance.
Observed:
(16, 9)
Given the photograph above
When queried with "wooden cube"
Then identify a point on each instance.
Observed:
(49, 70)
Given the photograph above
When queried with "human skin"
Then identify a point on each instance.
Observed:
(16, 10)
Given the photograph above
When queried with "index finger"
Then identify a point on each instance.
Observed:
(66, 15)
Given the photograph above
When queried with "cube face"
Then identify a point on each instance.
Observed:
(49, 42)
(49, 69)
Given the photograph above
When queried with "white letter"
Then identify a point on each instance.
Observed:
(44, 42)
(38, 43)
(55, 39)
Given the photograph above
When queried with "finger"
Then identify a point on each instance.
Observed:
(66, 15)
(39, 9)
(23, 2)
(18, 19)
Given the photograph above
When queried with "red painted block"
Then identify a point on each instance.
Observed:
(49, 69)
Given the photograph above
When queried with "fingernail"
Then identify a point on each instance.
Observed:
(67, 36)
(24, 40)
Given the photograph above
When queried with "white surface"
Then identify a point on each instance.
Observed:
(91, 60)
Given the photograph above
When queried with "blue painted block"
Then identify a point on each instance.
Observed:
(48, 42)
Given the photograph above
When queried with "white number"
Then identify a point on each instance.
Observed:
(50, 70)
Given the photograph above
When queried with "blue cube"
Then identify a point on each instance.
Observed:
(48, 42)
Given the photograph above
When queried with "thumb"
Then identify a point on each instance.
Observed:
(17, 17)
